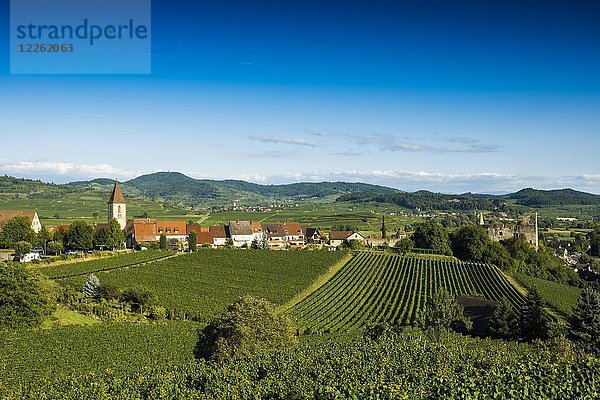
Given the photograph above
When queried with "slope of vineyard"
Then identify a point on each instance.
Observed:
(391, 288)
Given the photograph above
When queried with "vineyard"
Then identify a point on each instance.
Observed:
(202, 284)
(558, 295)
(103, 264)
(375, 288)
(409, 365)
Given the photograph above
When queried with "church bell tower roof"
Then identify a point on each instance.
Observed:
(117, 195)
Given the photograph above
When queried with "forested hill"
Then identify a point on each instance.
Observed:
(425, 200)
(539, 198)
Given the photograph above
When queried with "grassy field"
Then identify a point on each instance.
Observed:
(375, 288)
(76, 206)
(560, 296)
(204, 283)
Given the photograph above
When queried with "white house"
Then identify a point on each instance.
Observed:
(32, 216)
(241, 233)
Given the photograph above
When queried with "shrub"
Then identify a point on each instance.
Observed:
(249, 326)
(23, 302)
(108, 291)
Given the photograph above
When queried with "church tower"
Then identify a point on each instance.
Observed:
(117, 208)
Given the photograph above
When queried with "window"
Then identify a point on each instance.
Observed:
(119, 210)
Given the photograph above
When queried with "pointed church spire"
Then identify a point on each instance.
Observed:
(481, 221)
(117, 195)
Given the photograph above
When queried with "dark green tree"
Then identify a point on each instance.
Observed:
(15, 230)
(442, 313)
(162, 244)
(431, 235)
(139, 297)
(193, 241)
(249, 326)
(404, 245)
(594, 243)
(23, 302)
(43, 237)
(80, 236)
(470, 243)
(383, 230)
(535, 321)
(585, 321)
(108, 291)
(504, 324)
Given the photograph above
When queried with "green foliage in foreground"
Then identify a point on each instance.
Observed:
(23, 302)
(585, 321)
(120, 347)
(86, 267)
(249, 326)
(558, 295)
(202, 284)
(405, 366)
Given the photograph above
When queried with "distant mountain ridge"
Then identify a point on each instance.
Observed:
(180, 188)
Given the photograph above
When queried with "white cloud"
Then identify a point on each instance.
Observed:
(386, 142)
(64, 169)
(283, 140)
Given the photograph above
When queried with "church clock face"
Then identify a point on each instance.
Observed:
(119, 216)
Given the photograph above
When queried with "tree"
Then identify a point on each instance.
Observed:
(594, 243)
(383, 230)
(162, 244)
(585, 321)
(430, 235)
(115, 236)
(80, 236)
(15, 230)
(54, 247)
(43, 237)
(90, 289)
(504, 324)
(23, 247)
(138, 297)
(404, 245)
(23, 302)
(108, 291)
(193, 241)
(470, 242)
(442, 313)
(535, 322)
(249, 326)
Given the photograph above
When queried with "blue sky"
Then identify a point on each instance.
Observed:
(470, 96)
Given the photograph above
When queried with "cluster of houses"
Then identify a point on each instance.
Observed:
(237, 233)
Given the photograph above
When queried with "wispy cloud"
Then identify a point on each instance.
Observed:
(387, 142)
(283, 140)
(269, 154)
(319, 133)
(348, 153)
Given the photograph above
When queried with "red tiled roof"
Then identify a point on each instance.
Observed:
(257, 227)
(204, 237)
(6, 215)
(292, 229)
(171, 227)
(117, 195)
(195, 227)
(218, 231)
(144, 230)
(60, 228)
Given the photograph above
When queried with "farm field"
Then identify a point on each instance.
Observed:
(75, 206)
(202, 284)
(393, 367)
(391, 288)
(117, 261)
(50, 353)
(558, 295)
